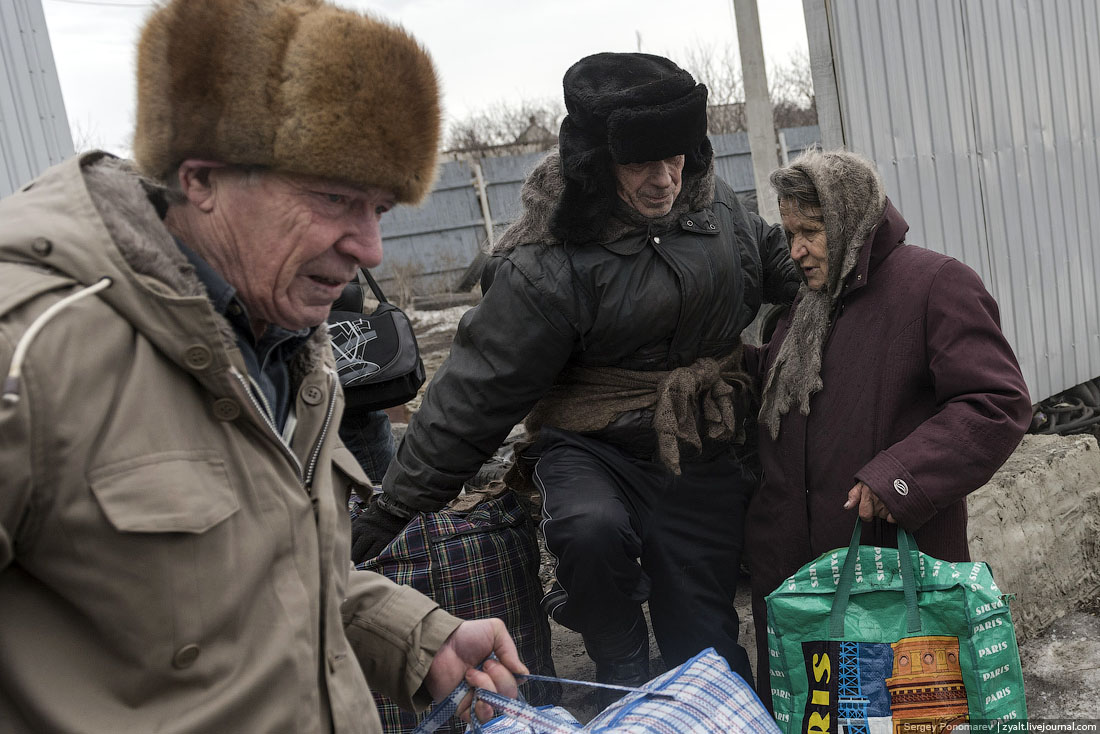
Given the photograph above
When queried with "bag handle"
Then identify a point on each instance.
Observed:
(518, 709)
(907, 563)
(364, 275)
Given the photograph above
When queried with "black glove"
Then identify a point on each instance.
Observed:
(372, 531)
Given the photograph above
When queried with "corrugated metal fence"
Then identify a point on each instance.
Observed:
(984, 118)
(430, 249)
(34, 133)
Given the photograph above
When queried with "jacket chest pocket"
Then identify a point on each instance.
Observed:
(170, 493)
(163, 554)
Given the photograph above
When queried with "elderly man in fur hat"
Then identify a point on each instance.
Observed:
(889, 393)
(174, 532)
(612, 314)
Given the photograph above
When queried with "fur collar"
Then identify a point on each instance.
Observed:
(543, 191)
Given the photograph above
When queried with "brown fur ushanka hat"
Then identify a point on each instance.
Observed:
(294, 85)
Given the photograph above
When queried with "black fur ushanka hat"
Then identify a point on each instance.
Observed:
(623, 108)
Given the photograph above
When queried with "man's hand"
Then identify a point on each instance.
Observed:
(870, 506)
(372, 531)
(468, 646)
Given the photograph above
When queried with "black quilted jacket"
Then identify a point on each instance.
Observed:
(653, 301)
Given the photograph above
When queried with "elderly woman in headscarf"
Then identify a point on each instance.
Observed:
(889, 392)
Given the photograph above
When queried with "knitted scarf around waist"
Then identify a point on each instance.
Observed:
(710, 392)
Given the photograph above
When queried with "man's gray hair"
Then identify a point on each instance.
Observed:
(173, 192)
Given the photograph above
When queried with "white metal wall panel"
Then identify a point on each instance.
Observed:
(983, 117)
(34, 132)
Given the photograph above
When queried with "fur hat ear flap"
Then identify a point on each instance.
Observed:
(294, 85)
(582, 211)
(699, 159)
(587, 199)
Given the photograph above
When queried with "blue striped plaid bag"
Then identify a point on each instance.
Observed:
(476, 563)
(701, 696)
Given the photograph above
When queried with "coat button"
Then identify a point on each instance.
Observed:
(42, 246)
(185, 656)
(690, 223)
(656, 240)
(312, 394)
(712, 226)
(901, 487)
(226, 409)
(197, 357)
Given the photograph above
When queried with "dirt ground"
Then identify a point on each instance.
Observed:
(1061, 662)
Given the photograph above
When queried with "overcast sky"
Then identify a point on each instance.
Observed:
(486, 51)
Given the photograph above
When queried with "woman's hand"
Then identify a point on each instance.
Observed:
(870, 506)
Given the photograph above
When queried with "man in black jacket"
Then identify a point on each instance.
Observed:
(611, 319)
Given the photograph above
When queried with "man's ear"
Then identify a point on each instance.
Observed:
(197, 183)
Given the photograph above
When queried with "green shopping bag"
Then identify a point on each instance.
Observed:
(869, 640)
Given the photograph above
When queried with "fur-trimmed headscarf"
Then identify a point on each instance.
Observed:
(294, 85)
(623, 108)
(852, 201)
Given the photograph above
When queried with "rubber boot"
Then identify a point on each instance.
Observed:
(621, 657)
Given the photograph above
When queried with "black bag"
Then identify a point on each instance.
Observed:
(377, 356)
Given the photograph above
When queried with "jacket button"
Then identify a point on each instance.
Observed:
(42, 246)
(185, 656)
(226, 409)
(197, 357)
(901, 487)
(312, 394)
(690, 223)
(656, 240)
(712, 226)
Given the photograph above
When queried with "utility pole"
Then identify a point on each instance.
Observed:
(758, 106)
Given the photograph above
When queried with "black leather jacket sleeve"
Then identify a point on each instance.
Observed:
(506, 354)
(781, 276)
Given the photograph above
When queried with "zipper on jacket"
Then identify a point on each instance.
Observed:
(257, 392)
(265, 411)
(316, 453)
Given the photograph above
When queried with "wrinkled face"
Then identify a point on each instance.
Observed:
(650, 187)
(289, 244)
(805, 228)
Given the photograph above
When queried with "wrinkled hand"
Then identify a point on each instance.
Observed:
(372, 531)
(870, 506)
(467, 646)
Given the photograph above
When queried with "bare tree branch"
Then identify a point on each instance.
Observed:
(503, 127)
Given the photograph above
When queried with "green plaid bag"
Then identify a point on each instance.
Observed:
(483, 562)
(869, 639)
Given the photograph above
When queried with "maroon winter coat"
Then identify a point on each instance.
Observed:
(923, 401)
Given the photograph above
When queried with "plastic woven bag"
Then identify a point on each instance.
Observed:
(868, 639)
(701, 696)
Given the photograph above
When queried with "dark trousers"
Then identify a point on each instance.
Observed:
(368, 435)
(626, 530)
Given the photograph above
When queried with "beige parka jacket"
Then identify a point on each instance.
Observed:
(167, 562)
